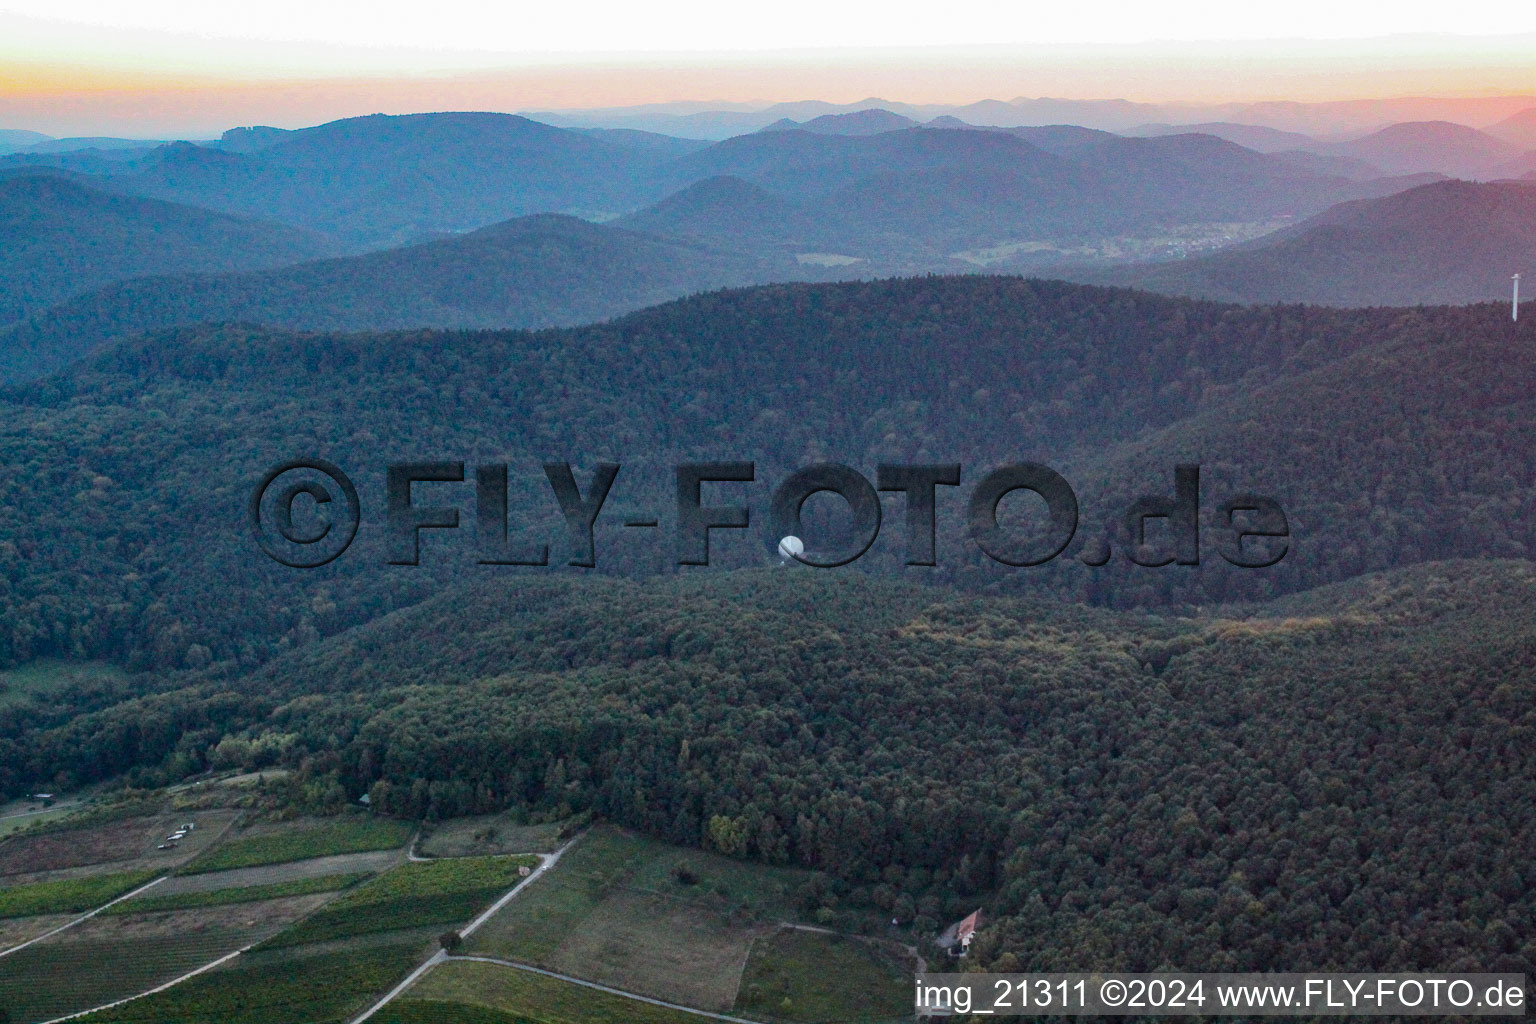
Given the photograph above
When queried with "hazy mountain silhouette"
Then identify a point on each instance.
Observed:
(60, 238)
(915, 195)
(1061, 139)
(382, 180)
(872, 121)
(1335, 165)
(93, 143)
(654, 146)
(1252, 136)
(539, 271)
(727, 210)
(903, 192)
(687, 120)
(1448, 242)
(1441, 146)
(1202, 177)
(1328, 118)
(1518, 130)
(12, 139)
(908, 195)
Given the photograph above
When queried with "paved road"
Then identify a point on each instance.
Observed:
(600, 988)
(549, 861)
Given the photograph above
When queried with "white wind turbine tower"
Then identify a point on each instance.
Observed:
(1514, 306)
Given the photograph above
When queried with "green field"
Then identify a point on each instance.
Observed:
(277, 987)
(54, 978)
(797, 975)
(614, 911)
(15, 822)
(521, 996)
(411, 896)
(69, 894)
(533, 926)
(353, 834)
(415, 1011)
(152, 901)
(113, 957)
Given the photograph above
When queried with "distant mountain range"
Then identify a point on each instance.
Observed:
(855, 195)
(376, 181)
(1334, 118)
(1449, 242)
(911, 198)
(540, 271)
(99, 244)
(1376, 137)
(59, 238)
(864, 184)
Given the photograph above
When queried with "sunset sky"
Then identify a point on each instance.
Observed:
(164, 67)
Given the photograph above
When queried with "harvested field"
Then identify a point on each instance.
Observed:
(117, 843)
(275, 874)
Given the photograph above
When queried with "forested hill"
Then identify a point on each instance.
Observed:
(1390, 436)
(1452, 241)
(540, 271)
(1275, 791)
(60, 238)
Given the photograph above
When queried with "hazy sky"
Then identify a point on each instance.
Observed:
(470, 26)
(161, 66)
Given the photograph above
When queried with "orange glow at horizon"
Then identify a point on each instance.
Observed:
(62, 98)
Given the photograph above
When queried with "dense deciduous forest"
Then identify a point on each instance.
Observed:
(1341, 780)
(126, 534)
